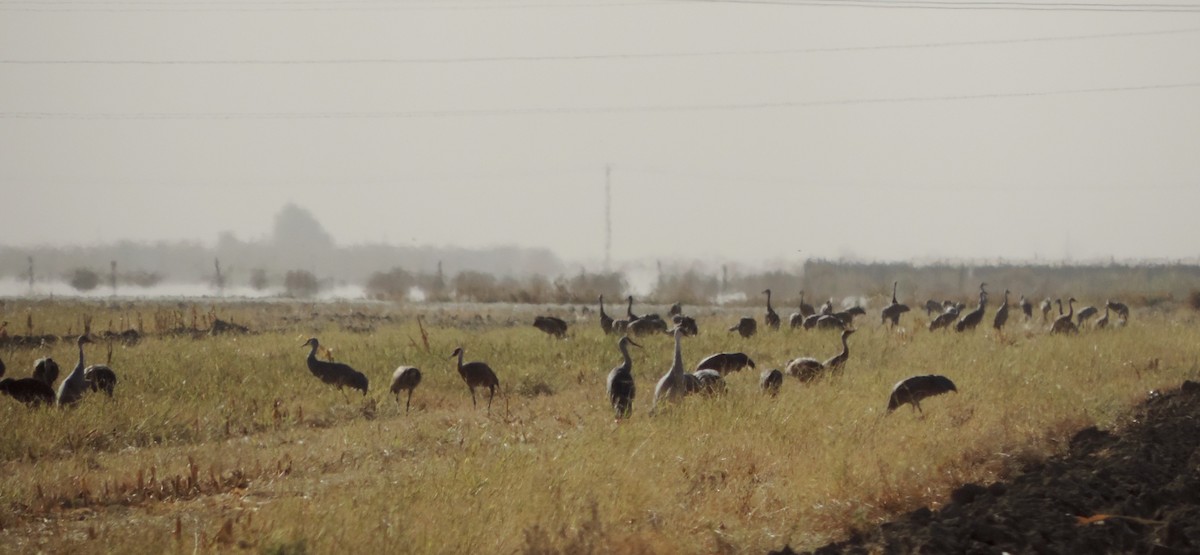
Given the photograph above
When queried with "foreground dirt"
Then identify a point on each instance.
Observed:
(1136, 490)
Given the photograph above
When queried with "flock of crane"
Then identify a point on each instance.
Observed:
(708, 377)
(39, 389)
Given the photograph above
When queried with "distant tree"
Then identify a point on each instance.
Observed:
(300, 284)
(474, 286)
(83, 279)
(393, 285)
(297, 227)
(258, 279)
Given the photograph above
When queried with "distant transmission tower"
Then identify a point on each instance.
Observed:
(607, 218)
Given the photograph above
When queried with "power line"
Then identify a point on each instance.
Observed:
(300, 6)
(612, 56)
(973, 5)
(597, 110)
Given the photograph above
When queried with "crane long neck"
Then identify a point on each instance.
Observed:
(894, 283)
(79, 367)
(768, 299)
(845, 345)
(677, 362)
(312, 353)
(629, 310)
(1071, 307)
(460, 360)
(625, 353)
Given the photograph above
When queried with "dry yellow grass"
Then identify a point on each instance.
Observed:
(228, 441)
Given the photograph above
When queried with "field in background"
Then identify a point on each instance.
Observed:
(228, 441)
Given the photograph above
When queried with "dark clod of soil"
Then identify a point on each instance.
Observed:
(1133, 491)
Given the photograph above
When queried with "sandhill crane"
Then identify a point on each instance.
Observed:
(893, 311)
(710, 381)
(827, 308)
(647, 325)
(333, 373)
(771, 319)
(1120, 308)
(1046, 306)
(75, 385)
(621, 388)
(725, 362)
(1103, 321)
(673, 385)
(847, 316)
(933, 307)
(30, 391)
(824, 322)
(807, 368)
(629, 315)
(836, 362)
(806, 309)
(747, 327)
(1084, 314)
(686, 323)
(405, 378)
(46, 370)
(477, 374)
(551, 325)
(100, 378)
(770, 381)
(1026, 308)
(974, 317)
(912, 390)
(944, 319)
(1002, 313)
(1064, 324)
(606, 321)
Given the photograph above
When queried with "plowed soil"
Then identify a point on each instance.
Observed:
(1134, 490)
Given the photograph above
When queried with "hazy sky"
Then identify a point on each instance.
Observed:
(735, 130)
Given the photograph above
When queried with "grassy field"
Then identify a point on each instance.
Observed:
(216, 442)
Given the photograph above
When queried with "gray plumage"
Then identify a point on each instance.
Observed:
(72, 388)
(606, 321)
(1026, 308)
(30, 391)
(933, 307)
(100, 378)
(1102, 322)
(687, 324)
(913, 390)
(746, 327)
(770, 381)
(1120, 308)
(770, 319)
(477, 374)
(1084, 314)
(620, 385)
(944, 319)
(806, 309)
(725, 362)
(647, 325)
(711, 382)
(891, 312)
(334, 373)
(974, 317)
(672, 385)
(46, 370)
(1064, 324)
(807, 369)
(551, 325)
(1046, 306)
(405, 378)
(1002, 313)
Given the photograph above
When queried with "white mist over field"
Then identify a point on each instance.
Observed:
(754, 132)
